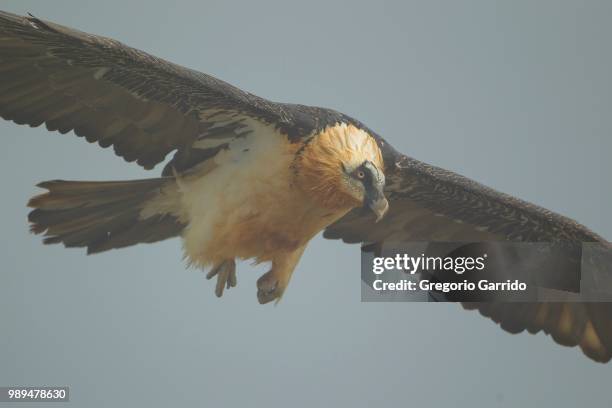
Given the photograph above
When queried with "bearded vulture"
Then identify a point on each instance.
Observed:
(250, 178)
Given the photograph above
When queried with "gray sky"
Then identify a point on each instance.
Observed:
(514, 94)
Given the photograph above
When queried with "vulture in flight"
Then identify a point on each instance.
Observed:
(250, 178)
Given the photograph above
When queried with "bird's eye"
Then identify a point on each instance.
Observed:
(360, 174)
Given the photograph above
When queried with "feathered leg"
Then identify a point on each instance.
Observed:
(272, 284)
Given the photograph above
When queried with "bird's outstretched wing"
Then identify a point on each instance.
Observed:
(431, 204)
(112, 94)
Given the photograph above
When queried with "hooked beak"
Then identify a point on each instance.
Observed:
(374, 197)
(375, 200)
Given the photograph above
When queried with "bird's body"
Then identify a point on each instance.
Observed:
(263, 197)
(250, 178)
(260, 198)
(241, 205)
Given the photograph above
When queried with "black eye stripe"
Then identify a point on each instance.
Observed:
(371, 174)
(367, 171)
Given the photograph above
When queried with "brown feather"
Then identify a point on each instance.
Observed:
(100, 215)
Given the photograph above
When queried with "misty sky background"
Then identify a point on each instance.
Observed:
(516, 95)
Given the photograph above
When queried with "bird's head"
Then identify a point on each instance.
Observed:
(365, 183)
(342, 168)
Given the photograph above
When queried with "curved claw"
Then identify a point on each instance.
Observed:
(268, 288)
(226, 276)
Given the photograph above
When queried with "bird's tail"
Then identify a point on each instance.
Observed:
(100, 215)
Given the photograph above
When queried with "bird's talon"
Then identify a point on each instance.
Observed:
(226, 276)
(268, 288)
